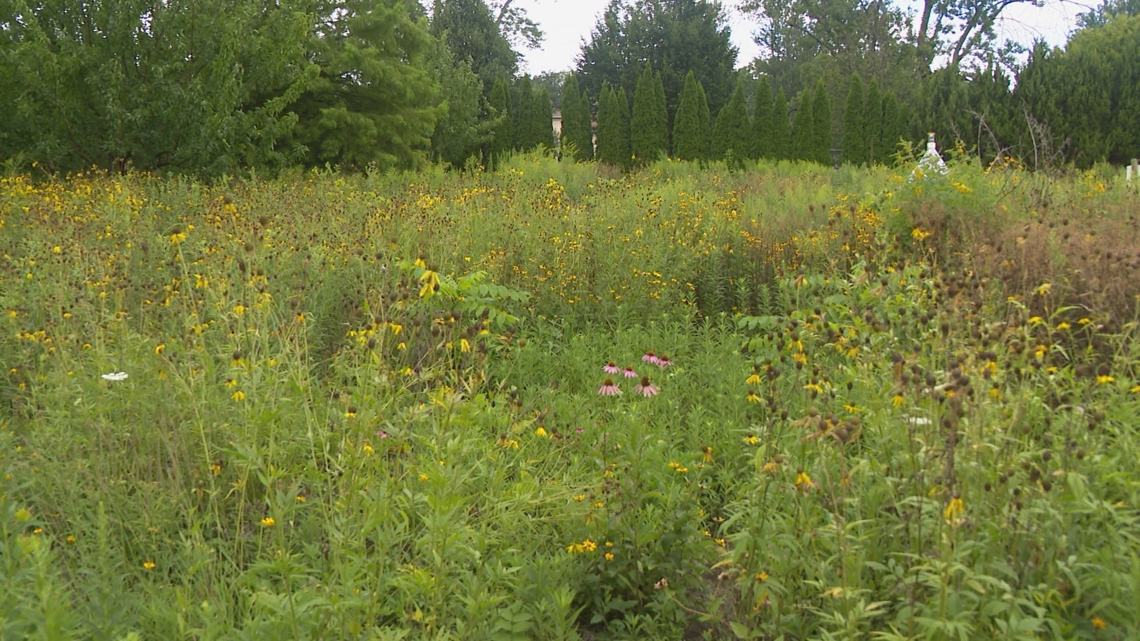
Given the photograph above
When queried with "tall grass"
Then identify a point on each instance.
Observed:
(368, 406)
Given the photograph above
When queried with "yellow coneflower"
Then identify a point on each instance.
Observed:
(753, 397)
(953, 509)
(802, 479)
(238, 396)
(754, 379)
(751, 439)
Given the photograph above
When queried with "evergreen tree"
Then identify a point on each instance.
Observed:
(587, 126)
(781, 129)
(854, 143)
(604, 151)
(705, 121)
(803, 131)
(569, 114)
(762, 142)
(526, 138)
(374, 101)
(575, 121)
(890, 130)
(732, 130)
(613, 129)
(675, 36)
(543, 124)
(470, 31)
(821, 115)
(466, 125)
(649, 130)
(504, 132)
(873, 123)
(687, 132)
(622, 128)
(662, 111)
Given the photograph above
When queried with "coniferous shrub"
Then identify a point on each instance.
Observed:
(762, 143)
(854, 148)
(732, 130)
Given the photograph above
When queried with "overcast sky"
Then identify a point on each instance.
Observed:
(568, 22)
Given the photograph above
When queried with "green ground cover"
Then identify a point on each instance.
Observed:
(331, 406)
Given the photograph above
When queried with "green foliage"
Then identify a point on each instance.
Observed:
(471, 33)
(803, 131)
(649, 129)
(821, 123)
(85, 86)
(576, 131)
(891, 131)
(673, 36)
(688, 127)
(763, 143)
(613, 128)
(1098, 92)
(465, 127)
(732, 133)
(781, 129)
(367, 406)
(873, 122)
(374, 103)
(534, 125)
(503, 140)
(854, 119)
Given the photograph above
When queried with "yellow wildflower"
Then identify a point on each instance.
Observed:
(149, 565)
(953, 509)
(268, 521)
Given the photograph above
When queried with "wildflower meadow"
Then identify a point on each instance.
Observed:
(557, 401)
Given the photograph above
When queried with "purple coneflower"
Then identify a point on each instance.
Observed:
(628, 372)
(609, 389)
(651, 358)
(645, 388)
(664, 361)
(610, 368)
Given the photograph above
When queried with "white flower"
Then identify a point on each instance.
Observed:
(115, 376)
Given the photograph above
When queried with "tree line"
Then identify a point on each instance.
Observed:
(215, 87)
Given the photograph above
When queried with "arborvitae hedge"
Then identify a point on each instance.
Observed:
(504, 132)
(688, 137)
(781, 128)
(543, 123)
(732, 130)
(575, 124)
(821, 115)
(892, 129)
(762, 144)
(803, 130)
(873, 123)
(705, 121)
(854, 148)
(613, 128)
(649, 129)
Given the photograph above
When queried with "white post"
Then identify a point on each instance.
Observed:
(1134, 169)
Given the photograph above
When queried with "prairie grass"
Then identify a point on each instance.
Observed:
(862, 405)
